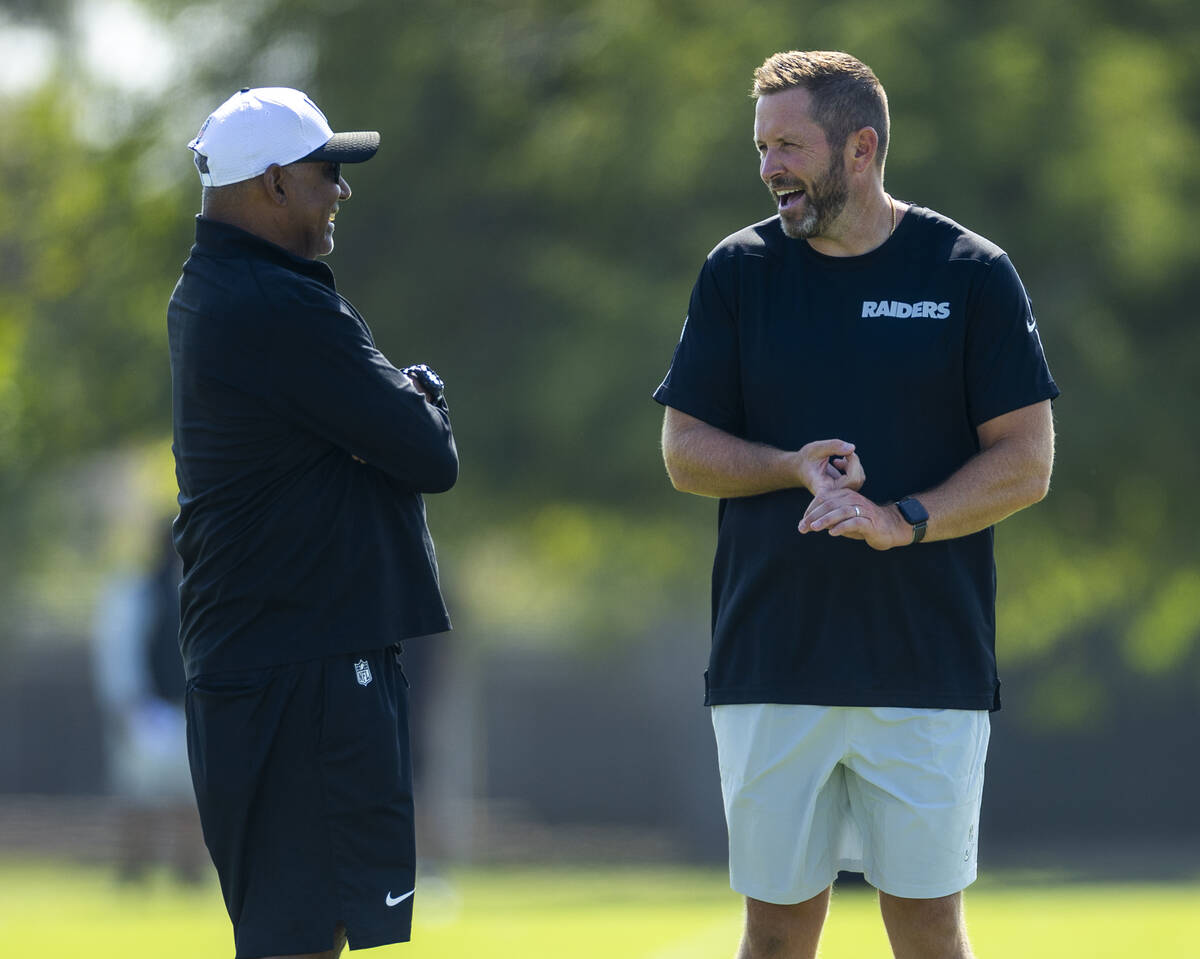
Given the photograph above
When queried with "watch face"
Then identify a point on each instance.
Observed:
(427, 376)
(912, 511)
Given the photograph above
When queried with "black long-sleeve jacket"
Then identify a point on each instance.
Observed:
(293, 549)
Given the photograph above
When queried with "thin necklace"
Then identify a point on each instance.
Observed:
(892, 204)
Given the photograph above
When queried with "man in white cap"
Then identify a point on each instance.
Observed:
(271, 165)
(302, 455)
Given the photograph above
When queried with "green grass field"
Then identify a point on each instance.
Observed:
(69, 912)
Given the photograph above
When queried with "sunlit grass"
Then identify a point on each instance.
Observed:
(55, 911)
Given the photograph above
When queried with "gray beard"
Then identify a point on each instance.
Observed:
(824, 201)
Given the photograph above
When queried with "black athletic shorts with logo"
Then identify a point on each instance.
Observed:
(303, 777)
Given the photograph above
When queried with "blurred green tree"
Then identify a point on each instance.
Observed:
(552, 175)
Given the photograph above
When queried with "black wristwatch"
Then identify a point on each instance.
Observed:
(916, 515)
(428, 378)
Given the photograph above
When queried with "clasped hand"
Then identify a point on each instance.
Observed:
(833, 473)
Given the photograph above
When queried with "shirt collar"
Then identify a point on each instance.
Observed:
(225, 240)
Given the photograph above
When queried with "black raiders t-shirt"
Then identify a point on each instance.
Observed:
(904, 352)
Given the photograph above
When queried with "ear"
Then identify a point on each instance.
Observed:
(861, 147)
(273, 181)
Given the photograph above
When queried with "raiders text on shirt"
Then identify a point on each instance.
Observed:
(938, 311)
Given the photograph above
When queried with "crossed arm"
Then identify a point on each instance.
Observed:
(1011, 471)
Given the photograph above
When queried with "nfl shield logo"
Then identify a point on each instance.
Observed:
(362, 670)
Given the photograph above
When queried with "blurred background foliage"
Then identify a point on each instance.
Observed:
(552, 174)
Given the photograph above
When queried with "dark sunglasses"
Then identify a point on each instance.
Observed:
(332, 171)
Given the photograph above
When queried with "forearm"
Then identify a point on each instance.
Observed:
(406, 437)
(707, 461)
(718, 464)
(992, 485)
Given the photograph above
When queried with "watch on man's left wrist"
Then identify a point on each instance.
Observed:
(916, 515)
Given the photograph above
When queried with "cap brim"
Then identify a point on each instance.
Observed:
(347, 148)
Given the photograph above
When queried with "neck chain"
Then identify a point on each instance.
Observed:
(892, 204)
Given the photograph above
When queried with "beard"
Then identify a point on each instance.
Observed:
(823, 202)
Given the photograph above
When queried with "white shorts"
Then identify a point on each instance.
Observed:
(810, 790)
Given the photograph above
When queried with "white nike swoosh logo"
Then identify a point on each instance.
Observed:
(399, 899)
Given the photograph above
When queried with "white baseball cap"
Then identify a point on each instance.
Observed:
(257, 127)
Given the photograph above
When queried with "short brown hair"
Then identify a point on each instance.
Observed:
(846, 94)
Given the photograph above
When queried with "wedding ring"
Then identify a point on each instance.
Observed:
(856, 512)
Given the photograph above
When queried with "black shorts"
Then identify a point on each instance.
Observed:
(303, 778)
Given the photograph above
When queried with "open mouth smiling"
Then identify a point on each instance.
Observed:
(787, 196)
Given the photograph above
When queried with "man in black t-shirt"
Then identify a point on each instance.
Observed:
(302, 455)
(861, 383)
